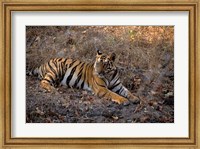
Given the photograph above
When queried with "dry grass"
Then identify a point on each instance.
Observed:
(138, 46)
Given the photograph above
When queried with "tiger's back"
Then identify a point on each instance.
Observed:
(65, 71)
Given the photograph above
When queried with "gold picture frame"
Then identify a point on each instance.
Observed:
(7, 6)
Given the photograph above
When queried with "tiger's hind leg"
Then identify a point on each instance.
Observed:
(47, 82)
(46, 85)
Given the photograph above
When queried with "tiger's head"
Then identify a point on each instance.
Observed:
(104, 64)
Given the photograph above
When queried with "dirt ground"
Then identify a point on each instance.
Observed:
(145, 60)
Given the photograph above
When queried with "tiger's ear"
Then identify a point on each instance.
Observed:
(113, 57)
(99, 52)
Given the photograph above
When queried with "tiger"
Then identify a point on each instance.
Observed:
(101, 77)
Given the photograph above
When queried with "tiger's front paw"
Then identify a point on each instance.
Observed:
(123, 101)
(134, 99)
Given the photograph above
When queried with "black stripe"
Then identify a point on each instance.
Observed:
(54, 62)
(77, 80)
(81, 69)
(60, 68)
(56, 68)
(114, 85)
(90, 78)
(79, 76)
(52, 69)
(116, 81)
(104, 94)
(121, 91)
(51, 78)
(70, 65)
(118, 90)
(71, 74)
(115, 73)
(47, 80)
(60, 71)
(104, 80)
(60, 59)
(62, 65)
(99, 84)
(65, 61)
(82, 85)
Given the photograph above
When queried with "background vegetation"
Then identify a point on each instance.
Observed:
(145, 59)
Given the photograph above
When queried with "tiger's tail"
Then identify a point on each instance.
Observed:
(33, 72)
